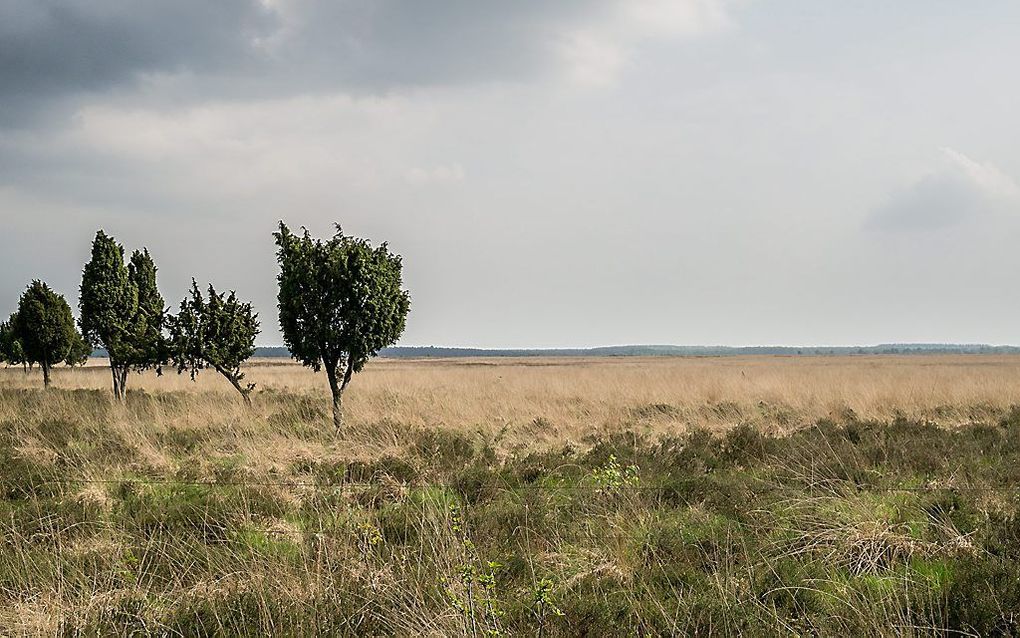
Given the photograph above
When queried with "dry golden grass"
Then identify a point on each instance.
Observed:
(185, 509)
(537, 403)
(573, 396)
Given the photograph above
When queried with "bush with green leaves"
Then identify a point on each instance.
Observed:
(45, 328)
(122, 310)
(218, 333)
(10, 346)
(341, 301)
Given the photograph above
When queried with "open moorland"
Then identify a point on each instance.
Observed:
(547, 497)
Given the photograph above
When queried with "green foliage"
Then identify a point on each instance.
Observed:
(108, 300)
(11, 352)
(218, 333)
(79, 351)
(148, 347)
(474, 594)
(611, 478)
(45, 328)
(121, 309)
(545, 606)
(340, 301)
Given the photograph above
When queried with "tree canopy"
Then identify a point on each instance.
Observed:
(11, 352)
(148, 346)
(122, 310)
(340, 301)
(218, 333)
(79, 352)
(45, 327)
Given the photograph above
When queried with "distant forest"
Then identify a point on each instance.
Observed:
(436, 352)
(425, 352)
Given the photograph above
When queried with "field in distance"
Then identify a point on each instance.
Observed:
(576, 397)
(536, 496)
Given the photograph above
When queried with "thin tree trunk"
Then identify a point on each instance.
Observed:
(116, 386)
(116, 381)
(45, 375)
(123, 383)
(336, 390)
(232, 378)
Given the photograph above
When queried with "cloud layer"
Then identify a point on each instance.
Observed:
(554, 173)
(960, 191)
(53, 49)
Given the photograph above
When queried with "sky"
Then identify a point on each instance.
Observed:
(554, 174)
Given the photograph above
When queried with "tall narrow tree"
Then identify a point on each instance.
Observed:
(121, 309)
(45, 327)
(148, 346)
(218, 333)
(107, 302)
(340, 301)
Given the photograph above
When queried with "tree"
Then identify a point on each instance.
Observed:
(148, 346)
(218, 333)
(121, 309)
(79, 352)
(45, 327)
(340, 301)
(10, 346)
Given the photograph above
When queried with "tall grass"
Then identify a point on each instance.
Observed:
(183, 513)
(571, 398)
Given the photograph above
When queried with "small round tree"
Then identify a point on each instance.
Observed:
(218, 333)
(340, 302)
(11, 352)
(45, 327)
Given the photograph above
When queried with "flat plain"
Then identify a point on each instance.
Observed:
(532, 496)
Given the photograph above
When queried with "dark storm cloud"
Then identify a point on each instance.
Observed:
(55, 49)
(50, 49)
(396, 42)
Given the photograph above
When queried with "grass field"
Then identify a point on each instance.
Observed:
(548, 497)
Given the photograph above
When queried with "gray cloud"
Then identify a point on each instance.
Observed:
(961, 190)
(554, 173)
(51, 50)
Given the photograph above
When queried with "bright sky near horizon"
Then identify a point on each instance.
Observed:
(570, 173)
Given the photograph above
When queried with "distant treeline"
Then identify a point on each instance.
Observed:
(426, 352)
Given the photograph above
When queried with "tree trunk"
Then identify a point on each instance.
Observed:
(123, 383)
(45, 374)
(337, 391)
(119, 372)
(116, 381)
(245, 392)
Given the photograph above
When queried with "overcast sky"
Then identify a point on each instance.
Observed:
(570, 173)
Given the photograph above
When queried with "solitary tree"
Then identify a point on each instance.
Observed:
(45, 327)
(10, 346)
(121, 309)
(218, 333)
(340, 301)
